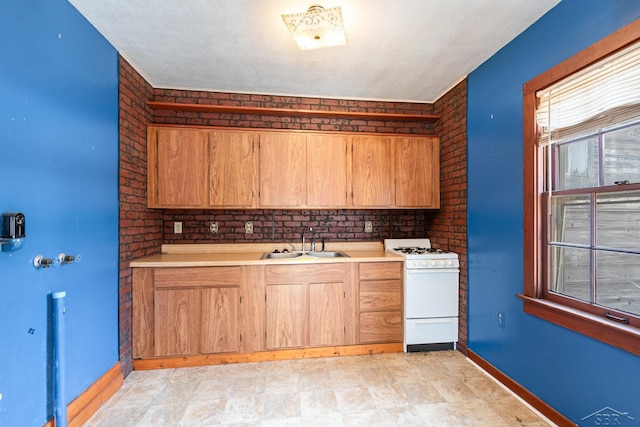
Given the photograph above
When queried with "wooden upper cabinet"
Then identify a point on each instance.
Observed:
(178, 167)
(417, 172)
(371, 172)
(233, 169)
(282, 170)
(327, 170)
(247, 169)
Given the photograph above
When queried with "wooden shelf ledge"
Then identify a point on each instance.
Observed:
(230, 109)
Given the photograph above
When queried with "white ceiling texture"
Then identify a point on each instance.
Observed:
(400, 50)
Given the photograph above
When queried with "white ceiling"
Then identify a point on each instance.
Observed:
(404, 50)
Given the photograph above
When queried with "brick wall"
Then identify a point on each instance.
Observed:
(140, 228)
(447, 227)
(278, 225)
(143, 230)
(287, 225)
(290, 102)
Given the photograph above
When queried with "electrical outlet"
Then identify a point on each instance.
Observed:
(501, 319)
(368, 227)
(177, 227)
(248, 227)
(213, 227)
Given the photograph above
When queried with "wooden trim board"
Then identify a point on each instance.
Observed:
(264, 356)
(533, 400)
(89, 401)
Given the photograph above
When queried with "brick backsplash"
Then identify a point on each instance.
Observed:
(288, 225)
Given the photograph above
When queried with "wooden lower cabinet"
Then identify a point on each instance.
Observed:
(187, 311)
(305, 305)
(380, 302)
(196, 311)
(220, 320)
(177, 321)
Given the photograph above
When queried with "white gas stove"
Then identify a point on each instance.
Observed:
(431, 282)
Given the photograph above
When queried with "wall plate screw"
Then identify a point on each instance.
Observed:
(368, 227)
(213, 227)
(248, 227)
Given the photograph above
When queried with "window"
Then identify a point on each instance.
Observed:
(582, 192)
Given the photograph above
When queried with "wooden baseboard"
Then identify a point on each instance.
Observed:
(263, 356)
(88, 403)
(533, 400)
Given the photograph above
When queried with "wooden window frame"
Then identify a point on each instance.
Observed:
(594, 325)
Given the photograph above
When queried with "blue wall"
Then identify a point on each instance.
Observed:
(575, 374)
(59, 166)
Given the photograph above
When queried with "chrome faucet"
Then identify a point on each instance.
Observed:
(313, 240)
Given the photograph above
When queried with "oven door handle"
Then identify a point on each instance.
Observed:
(428, 321)
(431, 270)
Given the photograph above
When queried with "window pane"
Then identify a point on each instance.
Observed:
(618, 281)
(571, 219)
(622, 155)
(577, 164)
(571, 269)
(618, 220)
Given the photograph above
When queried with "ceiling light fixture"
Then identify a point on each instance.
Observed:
(317, 27)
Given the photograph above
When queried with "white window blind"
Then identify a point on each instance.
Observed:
(603, 94)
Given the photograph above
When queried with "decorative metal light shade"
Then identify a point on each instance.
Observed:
(318, 27)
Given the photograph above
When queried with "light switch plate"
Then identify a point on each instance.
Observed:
(368, 227)
(177, 227)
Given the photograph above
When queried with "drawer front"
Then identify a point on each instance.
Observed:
(380, 270)
(312, 273)
(197, 276)
(431, 331)
(380, 295)
(380, 327)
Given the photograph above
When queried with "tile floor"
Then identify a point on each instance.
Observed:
(413, 389)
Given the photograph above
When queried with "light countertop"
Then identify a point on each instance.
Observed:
(227, 254)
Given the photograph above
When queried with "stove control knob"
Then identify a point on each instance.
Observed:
(433, 263)
(424, 263)
(449, 262)
(441, 262)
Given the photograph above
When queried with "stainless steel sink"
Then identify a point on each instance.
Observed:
(289, 255)
(281, 255)
(328, 254)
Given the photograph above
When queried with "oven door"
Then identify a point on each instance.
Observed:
(430, 293)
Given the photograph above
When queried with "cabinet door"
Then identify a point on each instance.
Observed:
(282, 170)
(326, 170)
(371, 178)
(220, 320)
(176, 322)
(178, 167)
(232, 178)
(287, 315)
(417, 172)
(326, 314)
(381, 326)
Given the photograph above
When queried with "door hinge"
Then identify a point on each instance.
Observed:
(240, 299)
(240, 337)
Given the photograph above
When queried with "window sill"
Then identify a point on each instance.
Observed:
(622, 336)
